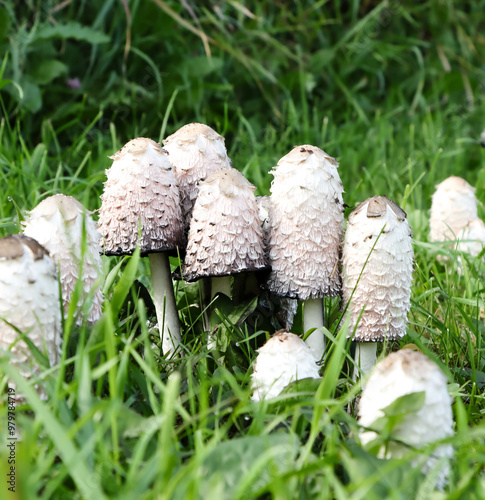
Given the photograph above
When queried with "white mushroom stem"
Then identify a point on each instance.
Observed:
(164, 300)
(365, 358)
(221, 284)
(313, 317)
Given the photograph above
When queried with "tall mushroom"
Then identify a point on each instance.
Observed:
(225, 236)
(377, 273)
(283, 359)
(306, 226)
(406, 372)
(195, 151)
(57, 223)
(140, 194)
(29, 302)
(453, 206)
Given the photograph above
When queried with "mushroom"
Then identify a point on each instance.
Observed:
(29, 303)
(225, 236)
(406, 372)
(453, 206)
(306, 226)
(195, 151)
(140, 194)
(283, 359)
(377, 274)
(57, 223)
(472, 239)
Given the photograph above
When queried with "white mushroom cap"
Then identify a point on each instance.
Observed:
(57, 224)
(195, 151)
(472, 238)
(453, 206)
(406, 372)
(284, 358)
(29, 300)
(225, 234)
(306, 225)
(140, 191)
(383, 286)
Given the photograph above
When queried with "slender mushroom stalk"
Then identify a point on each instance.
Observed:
(29, 301)
(482, 139)
(141, 194)
(453, 206)
(306, 226)
(283, 359)
(377, 274)
(406, 372)
(195, 151)
(57, 223)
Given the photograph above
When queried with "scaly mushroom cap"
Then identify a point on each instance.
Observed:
(57, 224)
(195, 151)
(264, 204)
(306, 225)
(140, 192)
(406, 372)
(284, 358)
(225, 234)
(472, 238)
(453, 206)
(29, 300)
(381, 275)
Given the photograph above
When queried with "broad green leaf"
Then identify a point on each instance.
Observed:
(46, 71)
(71, 30)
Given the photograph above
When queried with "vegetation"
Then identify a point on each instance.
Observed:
(394, 90)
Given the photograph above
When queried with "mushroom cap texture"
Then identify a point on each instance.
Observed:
(57, 224)
(472, 238)
(195, 151)
(225, 234)
(453, 206)
(283, 359)
(29, 300)
(264, 207)
(140, 191)
(380, 272)
(306, 225)
(406, 372)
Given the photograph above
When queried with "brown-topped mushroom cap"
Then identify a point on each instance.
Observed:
(11, 247)
(225, 234)
(140, 194)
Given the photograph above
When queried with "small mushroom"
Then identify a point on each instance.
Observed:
(29, 303)
(195, 151)
(453, 206)
(57, 223)
(472, 239)
(377, 275)
(406, 372)
(225, 236)
(283, 359)
(140, 194)
(306, 226)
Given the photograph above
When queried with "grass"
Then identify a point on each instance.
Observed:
(368, 83)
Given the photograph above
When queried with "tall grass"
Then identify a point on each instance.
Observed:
(392, 89)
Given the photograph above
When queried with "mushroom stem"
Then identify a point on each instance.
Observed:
(221, 284)
(313, 317)
(164, 300)
(365, 358)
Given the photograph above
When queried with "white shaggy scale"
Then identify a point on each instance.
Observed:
(406, 372)
(29, 300)
(377, 276)
(57, 224)
(195, 151)
(284, 358)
